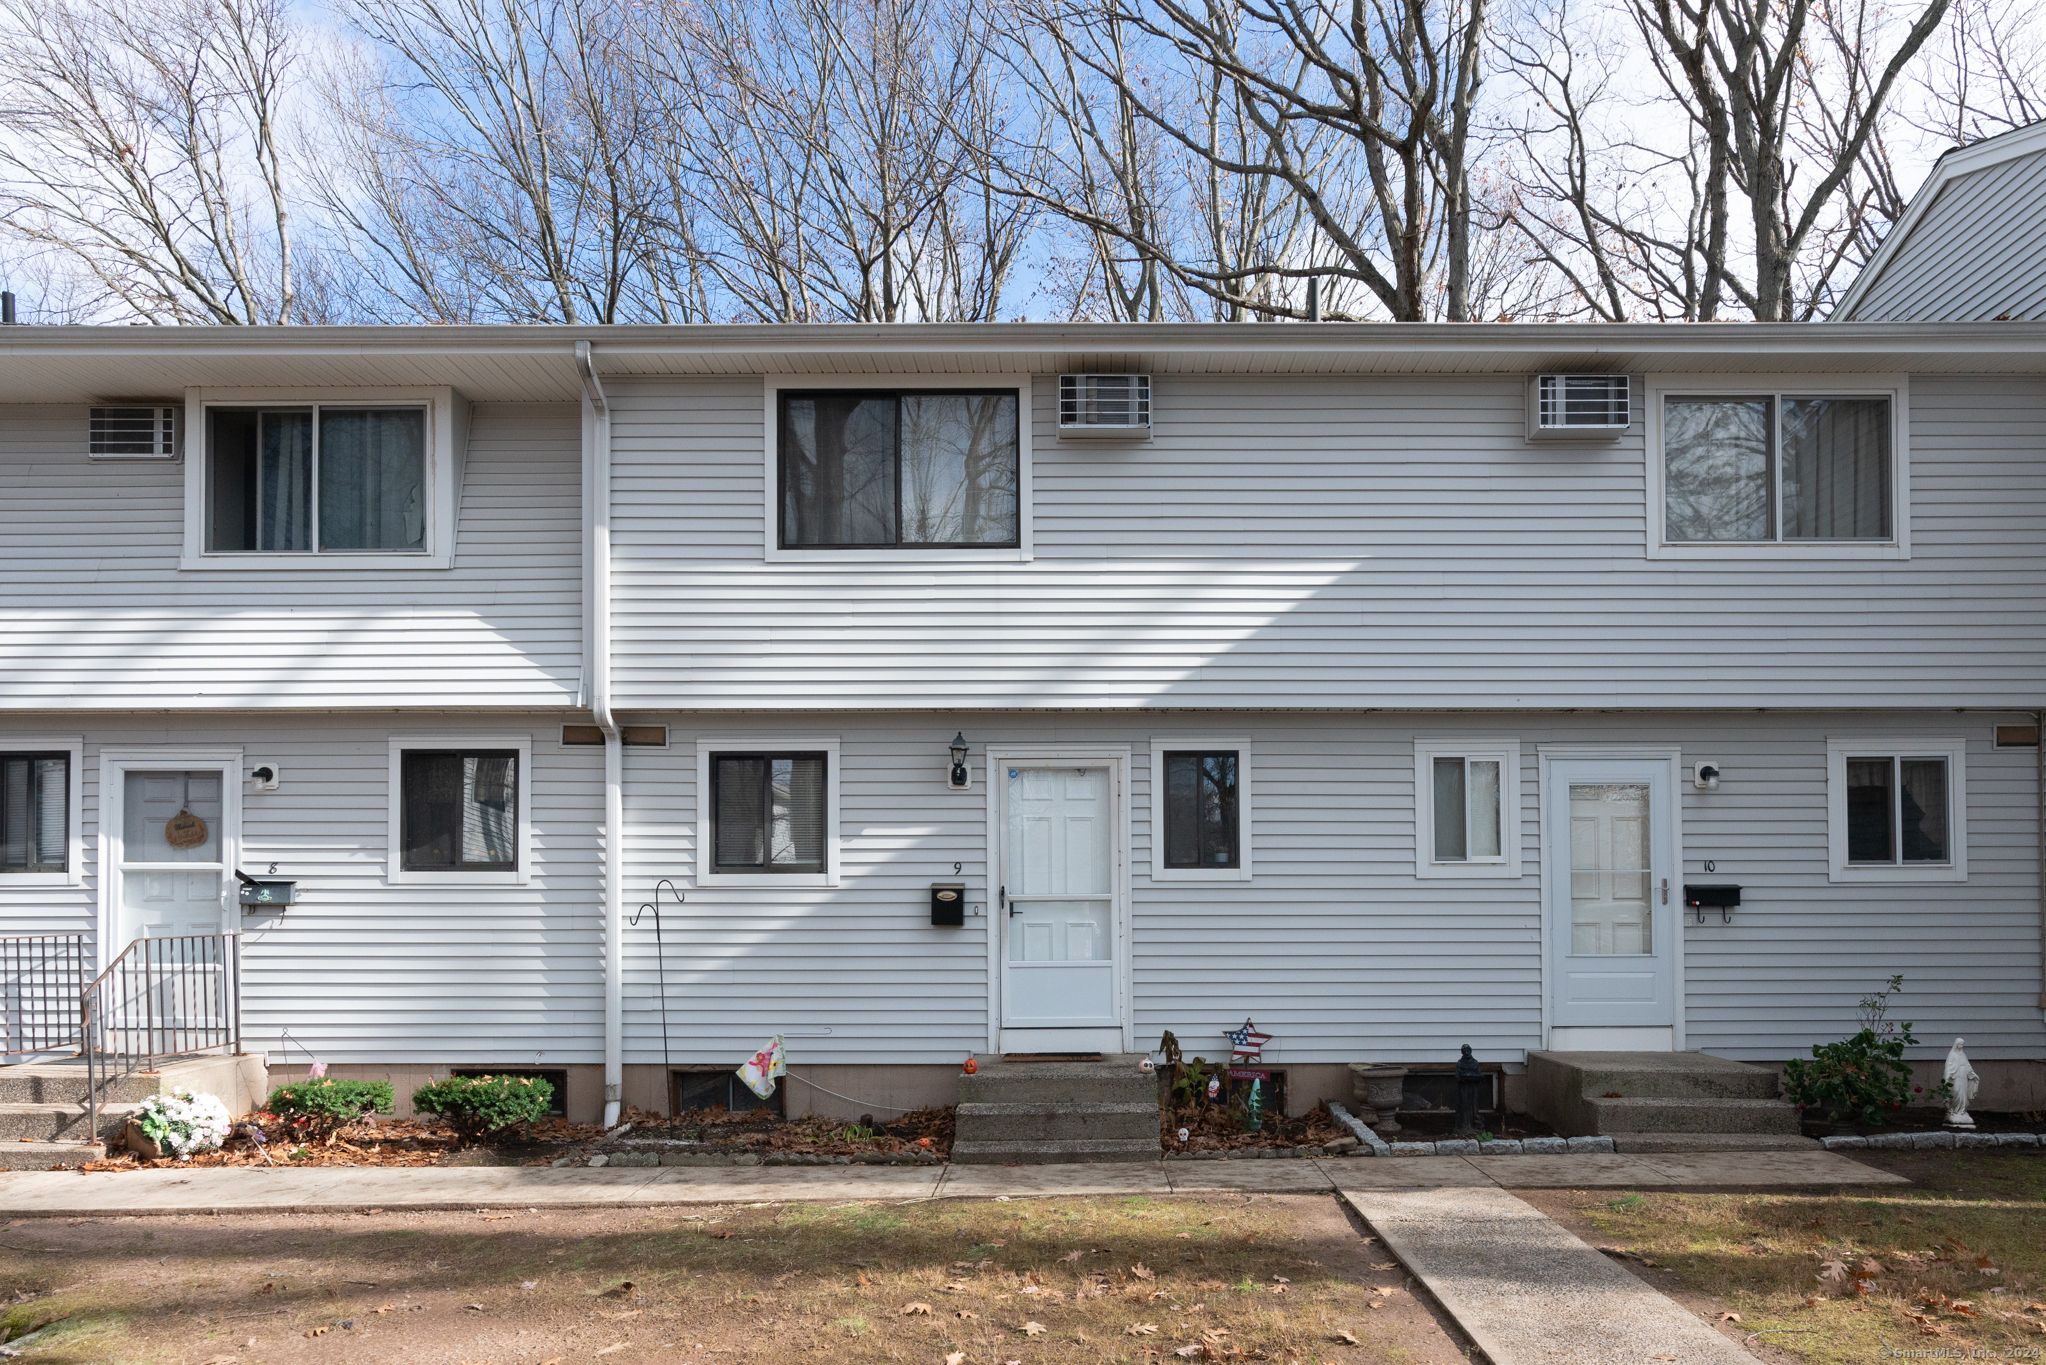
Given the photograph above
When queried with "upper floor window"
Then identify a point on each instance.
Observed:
(314, 479)
(899, 470)
(1772, 468)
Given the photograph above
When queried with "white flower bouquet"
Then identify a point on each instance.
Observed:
(182, 1123)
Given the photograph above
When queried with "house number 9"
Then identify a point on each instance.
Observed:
(955, 868)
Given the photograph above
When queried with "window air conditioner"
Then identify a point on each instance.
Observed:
(134, 433)
(1578, 405)
(1105, 405)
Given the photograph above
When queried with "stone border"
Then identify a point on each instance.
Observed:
(1924, 1142)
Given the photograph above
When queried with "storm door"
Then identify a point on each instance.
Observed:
(1611, 905)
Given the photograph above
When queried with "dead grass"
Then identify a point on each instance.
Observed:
(1956, 1262)
(1045, 1282)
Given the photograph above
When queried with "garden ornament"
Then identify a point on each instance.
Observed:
(1182, 1137)
(971, 1066)
(1470, 1081)
(1146, 1067)
(1962, 1085)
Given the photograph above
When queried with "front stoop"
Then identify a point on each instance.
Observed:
(1037, 1113)
(1657, 1099)
(43, 1114)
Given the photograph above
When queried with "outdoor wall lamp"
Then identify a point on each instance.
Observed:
(959, 779)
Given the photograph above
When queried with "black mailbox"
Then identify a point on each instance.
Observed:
(266, 895)
(948, 903)
(1712, 897)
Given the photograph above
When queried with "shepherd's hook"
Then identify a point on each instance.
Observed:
(661, 970)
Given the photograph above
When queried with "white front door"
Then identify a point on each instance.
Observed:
(172, 872)
(1058, 905)
(1612, 910)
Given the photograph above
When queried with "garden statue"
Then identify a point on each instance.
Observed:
(1961, 1085)
(1470, 1081)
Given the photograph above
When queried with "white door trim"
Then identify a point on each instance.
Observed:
(1545, 754)
(1117, 757)
(114, 766)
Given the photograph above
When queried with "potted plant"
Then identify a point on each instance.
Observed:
(177, 1125)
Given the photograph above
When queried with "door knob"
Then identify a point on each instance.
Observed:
(1665, 890)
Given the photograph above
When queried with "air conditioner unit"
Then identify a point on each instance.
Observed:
(1578, 406)
(140, 432)
(1105, 405)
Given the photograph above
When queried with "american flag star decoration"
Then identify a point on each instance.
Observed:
(1246, 1044)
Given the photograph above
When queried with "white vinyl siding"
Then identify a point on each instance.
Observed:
(1299, 542)
(102, 617)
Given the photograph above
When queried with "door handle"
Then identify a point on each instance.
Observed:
(1002, 900)
(1665, 890)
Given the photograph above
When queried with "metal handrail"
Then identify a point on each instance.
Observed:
(41, 978)
(159, 998)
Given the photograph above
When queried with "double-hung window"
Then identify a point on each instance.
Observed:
(771, 811)
(906, 470)
(459, 813)
(1467, 808)
(35, 814)
(1897, 809)
(1808, 468)
(315, 479)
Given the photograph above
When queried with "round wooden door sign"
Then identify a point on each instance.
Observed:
(184, 830)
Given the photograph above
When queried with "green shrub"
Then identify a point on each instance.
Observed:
(478, 1106)
(322, 1107)
(1863, 1079)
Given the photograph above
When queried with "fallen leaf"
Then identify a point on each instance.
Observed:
(1214, 1334)
(1729, 1317)
(956, 1358)
(957, 1287)
(614, 1346)
(1871, 1268)
(617, 1291)
(1189, 1352)
(1833, 1272)
(477, 1307)
(1071, 1256)
(551, 1360)
(1188, 1236)
(1141, 1272)
(1280, 1279)
(1279, 1289)
(2035, 1308)
(916, 1310)
(1347, 1337)
(317, 1332)
(1033, 1329)
(215, 1360)
(1387, 1265)
(1984, 1263)
(1141, 1329)
(969, 1315)
(497, 1217)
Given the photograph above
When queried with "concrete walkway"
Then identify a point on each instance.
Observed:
(339, 1189)
(1528, 1292)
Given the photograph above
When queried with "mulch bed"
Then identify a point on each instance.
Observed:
(718, 1131)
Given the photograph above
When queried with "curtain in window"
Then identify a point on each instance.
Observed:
(1836, 468)
(1868, 810)
(1716, 479)
(490, 809)
(1451, 839)
(461, 811)
(284, 481)
(958, 469)
(798, 797)
(741, 812)
(1482, 781)
(372, 480)
(838, 471)
(770, 811)
(1924, 809)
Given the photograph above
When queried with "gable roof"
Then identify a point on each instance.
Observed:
(1971, 245)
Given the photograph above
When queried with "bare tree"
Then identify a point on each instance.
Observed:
(1742, 70)
(142, 148)
(1990, 76)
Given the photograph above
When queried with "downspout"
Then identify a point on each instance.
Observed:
(2039, 737)
(597, 550)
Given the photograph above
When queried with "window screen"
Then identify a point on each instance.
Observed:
(35, 813)
(1466, 809)
(921, 470)
(460, 810)
(768, 812)
(1200, 810)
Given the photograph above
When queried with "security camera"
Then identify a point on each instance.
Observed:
(1705, 776)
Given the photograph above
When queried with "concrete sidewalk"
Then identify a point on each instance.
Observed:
(334, 1189)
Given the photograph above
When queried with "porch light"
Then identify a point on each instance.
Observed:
(958, 780)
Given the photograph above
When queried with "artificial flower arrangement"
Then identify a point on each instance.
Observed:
(183, 1123)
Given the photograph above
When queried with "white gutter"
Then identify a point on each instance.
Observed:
(597, 578)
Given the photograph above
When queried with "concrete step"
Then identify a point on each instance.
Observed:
(1613, 1117)
(64, 1083)
(980, 1121)
(48, 1156)
(1653, 1075)
(1114, 1077)
(59, 1122)
(1642, 1144)
(1028, 1152)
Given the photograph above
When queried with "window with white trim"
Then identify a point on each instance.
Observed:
(316, 479)
(461, 810)
(1767, 467)
(769, 811)
(1467, 808)
(1200, 809)
(35, 813)
(929, 470)
(1897, 809)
